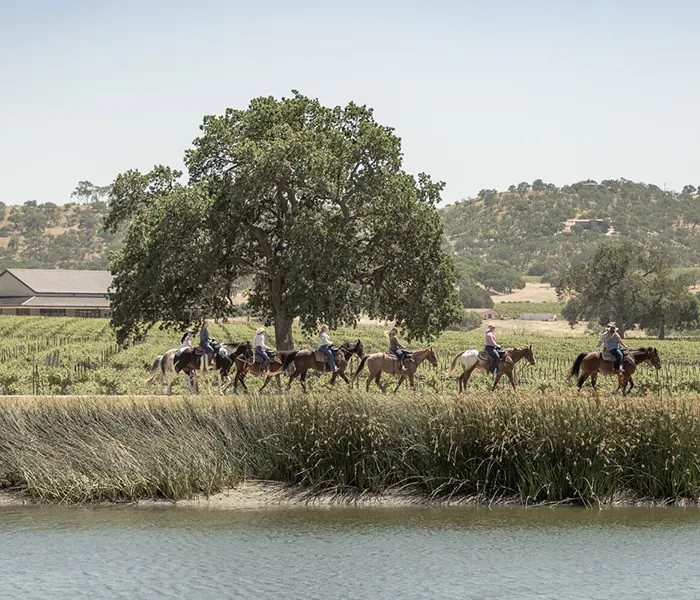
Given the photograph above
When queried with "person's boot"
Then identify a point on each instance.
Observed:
(403, 365)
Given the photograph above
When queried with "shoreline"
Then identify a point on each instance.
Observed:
(254, 494)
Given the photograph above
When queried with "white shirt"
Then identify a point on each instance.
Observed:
(259, 341)
(325, 340)
(186, 342)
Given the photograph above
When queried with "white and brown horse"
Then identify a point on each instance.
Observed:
(474, 360)
(381, 362)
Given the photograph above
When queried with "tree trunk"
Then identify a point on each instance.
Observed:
(283, 322)
(283, 332)
(662, 330)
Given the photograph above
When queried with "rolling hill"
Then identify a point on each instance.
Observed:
(539, 228)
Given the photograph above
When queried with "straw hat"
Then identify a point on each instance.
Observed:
(260, 330)
(612, 326)
(323, 327)
(490, 328)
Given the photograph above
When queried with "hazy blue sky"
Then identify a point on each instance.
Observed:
(483, 94)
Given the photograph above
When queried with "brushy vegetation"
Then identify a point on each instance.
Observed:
(536, 447)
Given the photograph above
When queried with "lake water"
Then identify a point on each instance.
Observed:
(329, 553)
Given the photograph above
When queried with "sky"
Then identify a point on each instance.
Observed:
(483, 94)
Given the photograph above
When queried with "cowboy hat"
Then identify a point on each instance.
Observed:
(260, 330)
(490, 327)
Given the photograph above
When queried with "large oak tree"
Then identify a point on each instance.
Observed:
(311, 202)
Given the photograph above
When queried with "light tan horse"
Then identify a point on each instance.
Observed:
(381, 362)
(473, 360)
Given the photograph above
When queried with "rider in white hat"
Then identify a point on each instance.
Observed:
(261, 349)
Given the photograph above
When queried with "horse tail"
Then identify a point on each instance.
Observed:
(360, 367)
(577, 365)
(155, 367)
(454, 363)
(289, 358)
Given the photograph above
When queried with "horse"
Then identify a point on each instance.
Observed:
(303, 360)
(381, 362)
(255, 367)
(474, 360)
(163, 365)
(190, 362)
(589, 364)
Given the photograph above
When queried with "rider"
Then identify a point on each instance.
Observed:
(186, 340)
(325, 347)
(204, 340)
(611, 341)
(491, 347)
(396, 348)
(261, 349)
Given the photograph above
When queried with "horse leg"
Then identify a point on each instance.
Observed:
(411, 382)
(376, 380)
(333, 378)
(264, 385)
(582, 380)
(495, 381)
(398, 385)
(302, 380)
(512, 379)
(344, 378)
(466, 375)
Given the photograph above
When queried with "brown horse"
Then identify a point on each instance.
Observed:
(589, 364)
(304, 360)
(381, 362)
(471, 361)
(255, 367)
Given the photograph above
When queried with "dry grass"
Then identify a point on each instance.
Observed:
(532, 292)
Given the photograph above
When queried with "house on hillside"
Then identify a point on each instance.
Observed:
(54, 292)
(485, 313)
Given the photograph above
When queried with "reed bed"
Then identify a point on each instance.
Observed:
(536, 447)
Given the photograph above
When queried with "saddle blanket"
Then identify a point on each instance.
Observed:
(321, 356)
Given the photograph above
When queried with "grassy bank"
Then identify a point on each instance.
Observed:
(536, 447)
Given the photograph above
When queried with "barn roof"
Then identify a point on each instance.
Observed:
(63, 281)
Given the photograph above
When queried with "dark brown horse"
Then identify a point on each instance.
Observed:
(474, 360)
(304, 360)
(382, 362)
(589, 364)
(190, 362)
(255, 367)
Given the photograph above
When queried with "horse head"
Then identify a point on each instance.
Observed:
(359, 349)
(432, 356)
(652, 355)
(529, 355)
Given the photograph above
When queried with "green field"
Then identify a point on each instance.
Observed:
(41, 356)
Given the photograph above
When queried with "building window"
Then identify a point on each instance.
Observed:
(23, 311)
(87, 313)
(52, 312)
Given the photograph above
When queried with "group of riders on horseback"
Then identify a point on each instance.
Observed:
(259, 359)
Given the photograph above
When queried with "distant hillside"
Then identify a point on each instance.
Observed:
(538, 227)
(55, 236)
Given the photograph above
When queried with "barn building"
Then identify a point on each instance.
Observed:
(54, 293)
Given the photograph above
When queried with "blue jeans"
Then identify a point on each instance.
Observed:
(399, 353)
(264, 355)
(493, 353)
(207, 346)
(329, 354)
(617, 353)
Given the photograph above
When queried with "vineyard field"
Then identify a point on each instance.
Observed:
(49, 356)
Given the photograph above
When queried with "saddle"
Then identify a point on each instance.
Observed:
(486, 357)
(606, 355)
(323, 357)
(274, 357)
